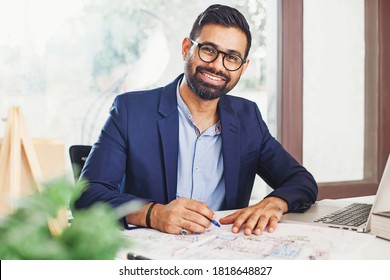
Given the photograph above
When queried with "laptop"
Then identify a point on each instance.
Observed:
(345, 214)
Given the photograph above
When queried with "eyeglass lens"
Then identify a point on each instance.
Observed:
(231, 62)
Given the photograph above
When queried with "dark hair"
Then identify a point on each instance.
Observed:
(222, 15)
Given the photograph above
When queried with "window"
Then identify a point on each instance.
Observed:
(371, 51)
(63, 62)
(333, 89)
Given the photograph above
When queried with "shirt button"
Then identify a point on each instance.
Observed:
(197, 168)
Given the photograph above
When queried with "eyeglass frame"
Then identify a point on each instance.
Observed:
(200, 45)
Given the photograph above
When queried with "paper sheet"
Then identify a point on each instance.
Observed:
(289, 241)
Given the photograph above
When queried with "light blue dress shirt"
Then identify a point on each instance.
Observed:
(200, 162)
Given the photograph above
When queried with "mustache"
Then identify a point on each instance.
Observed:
(218, 73)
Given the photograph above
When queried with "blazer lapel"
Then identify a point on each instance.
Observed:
(230, 150)
(168, 127)
(169, 132)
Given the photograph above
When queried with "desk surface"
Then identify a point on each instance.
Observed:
(289, 241)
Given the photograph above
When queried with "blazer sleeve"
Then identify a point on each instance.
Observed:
(289, 179)
(105, 167)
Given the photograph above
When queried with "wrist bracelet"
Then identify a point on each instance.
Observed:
(148, 214)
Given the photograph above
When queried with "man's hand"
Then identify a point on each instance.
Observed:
(254, 219)
(181, 213)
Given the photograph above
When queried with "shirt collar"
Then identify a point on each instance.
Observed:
(183, 107)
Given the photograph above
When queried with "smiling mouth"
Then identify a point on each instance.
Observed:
(212, 78)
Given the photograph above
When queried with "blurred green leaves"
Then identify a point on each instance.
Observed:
(93, 234)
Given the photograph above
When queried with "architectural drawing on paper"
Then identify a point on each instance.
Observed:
(288, 242)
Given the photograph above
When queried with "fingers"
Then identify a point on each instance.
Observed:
(248, 217)
(272, 224)
(197, 207)
(256, 224)
(230, 218)
(190, 216)
(196, 223)
(183, 215)
(195, 216)
(257, 218)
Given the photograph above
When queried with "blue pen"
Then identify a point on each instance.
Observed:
(214, 222)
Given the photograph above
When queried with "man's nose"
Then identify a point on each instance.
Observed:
(218, 62)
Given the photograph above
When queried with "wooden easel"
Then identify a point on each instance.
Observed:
(17, 154)
(20, 170)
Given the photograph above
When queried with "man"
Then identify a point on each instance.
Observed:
(188, 149)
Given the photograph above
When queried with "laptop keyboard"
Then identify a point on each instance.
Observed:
(354, 214)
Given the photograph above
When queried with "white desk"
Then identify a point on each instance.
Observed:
(372, 249)
(289, 241)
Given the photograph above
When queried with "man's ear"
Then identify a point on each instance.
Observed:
(185, 47)
(244, 66)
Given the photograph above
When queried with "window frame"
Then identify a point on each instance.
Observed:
(377, 94)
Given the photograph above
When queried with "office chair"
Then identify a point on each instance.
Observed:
(78, 155)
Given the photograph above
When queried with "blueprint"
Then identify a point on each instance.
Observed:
(287, 242)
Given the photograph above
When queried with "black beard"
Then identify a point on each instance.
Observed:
(204, 90)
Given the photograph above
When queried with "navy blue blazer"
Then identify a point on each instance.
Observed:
(136, 154)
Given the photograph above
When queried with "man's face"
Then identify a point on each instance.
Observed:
(211, 80)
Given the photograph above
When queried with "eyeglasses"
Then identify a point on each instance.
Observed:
(208, 53)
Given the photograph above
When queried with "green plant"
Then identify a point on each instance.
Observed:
(36, 229)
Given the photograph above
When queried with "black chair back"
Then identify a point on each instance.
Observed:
(78, 155)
